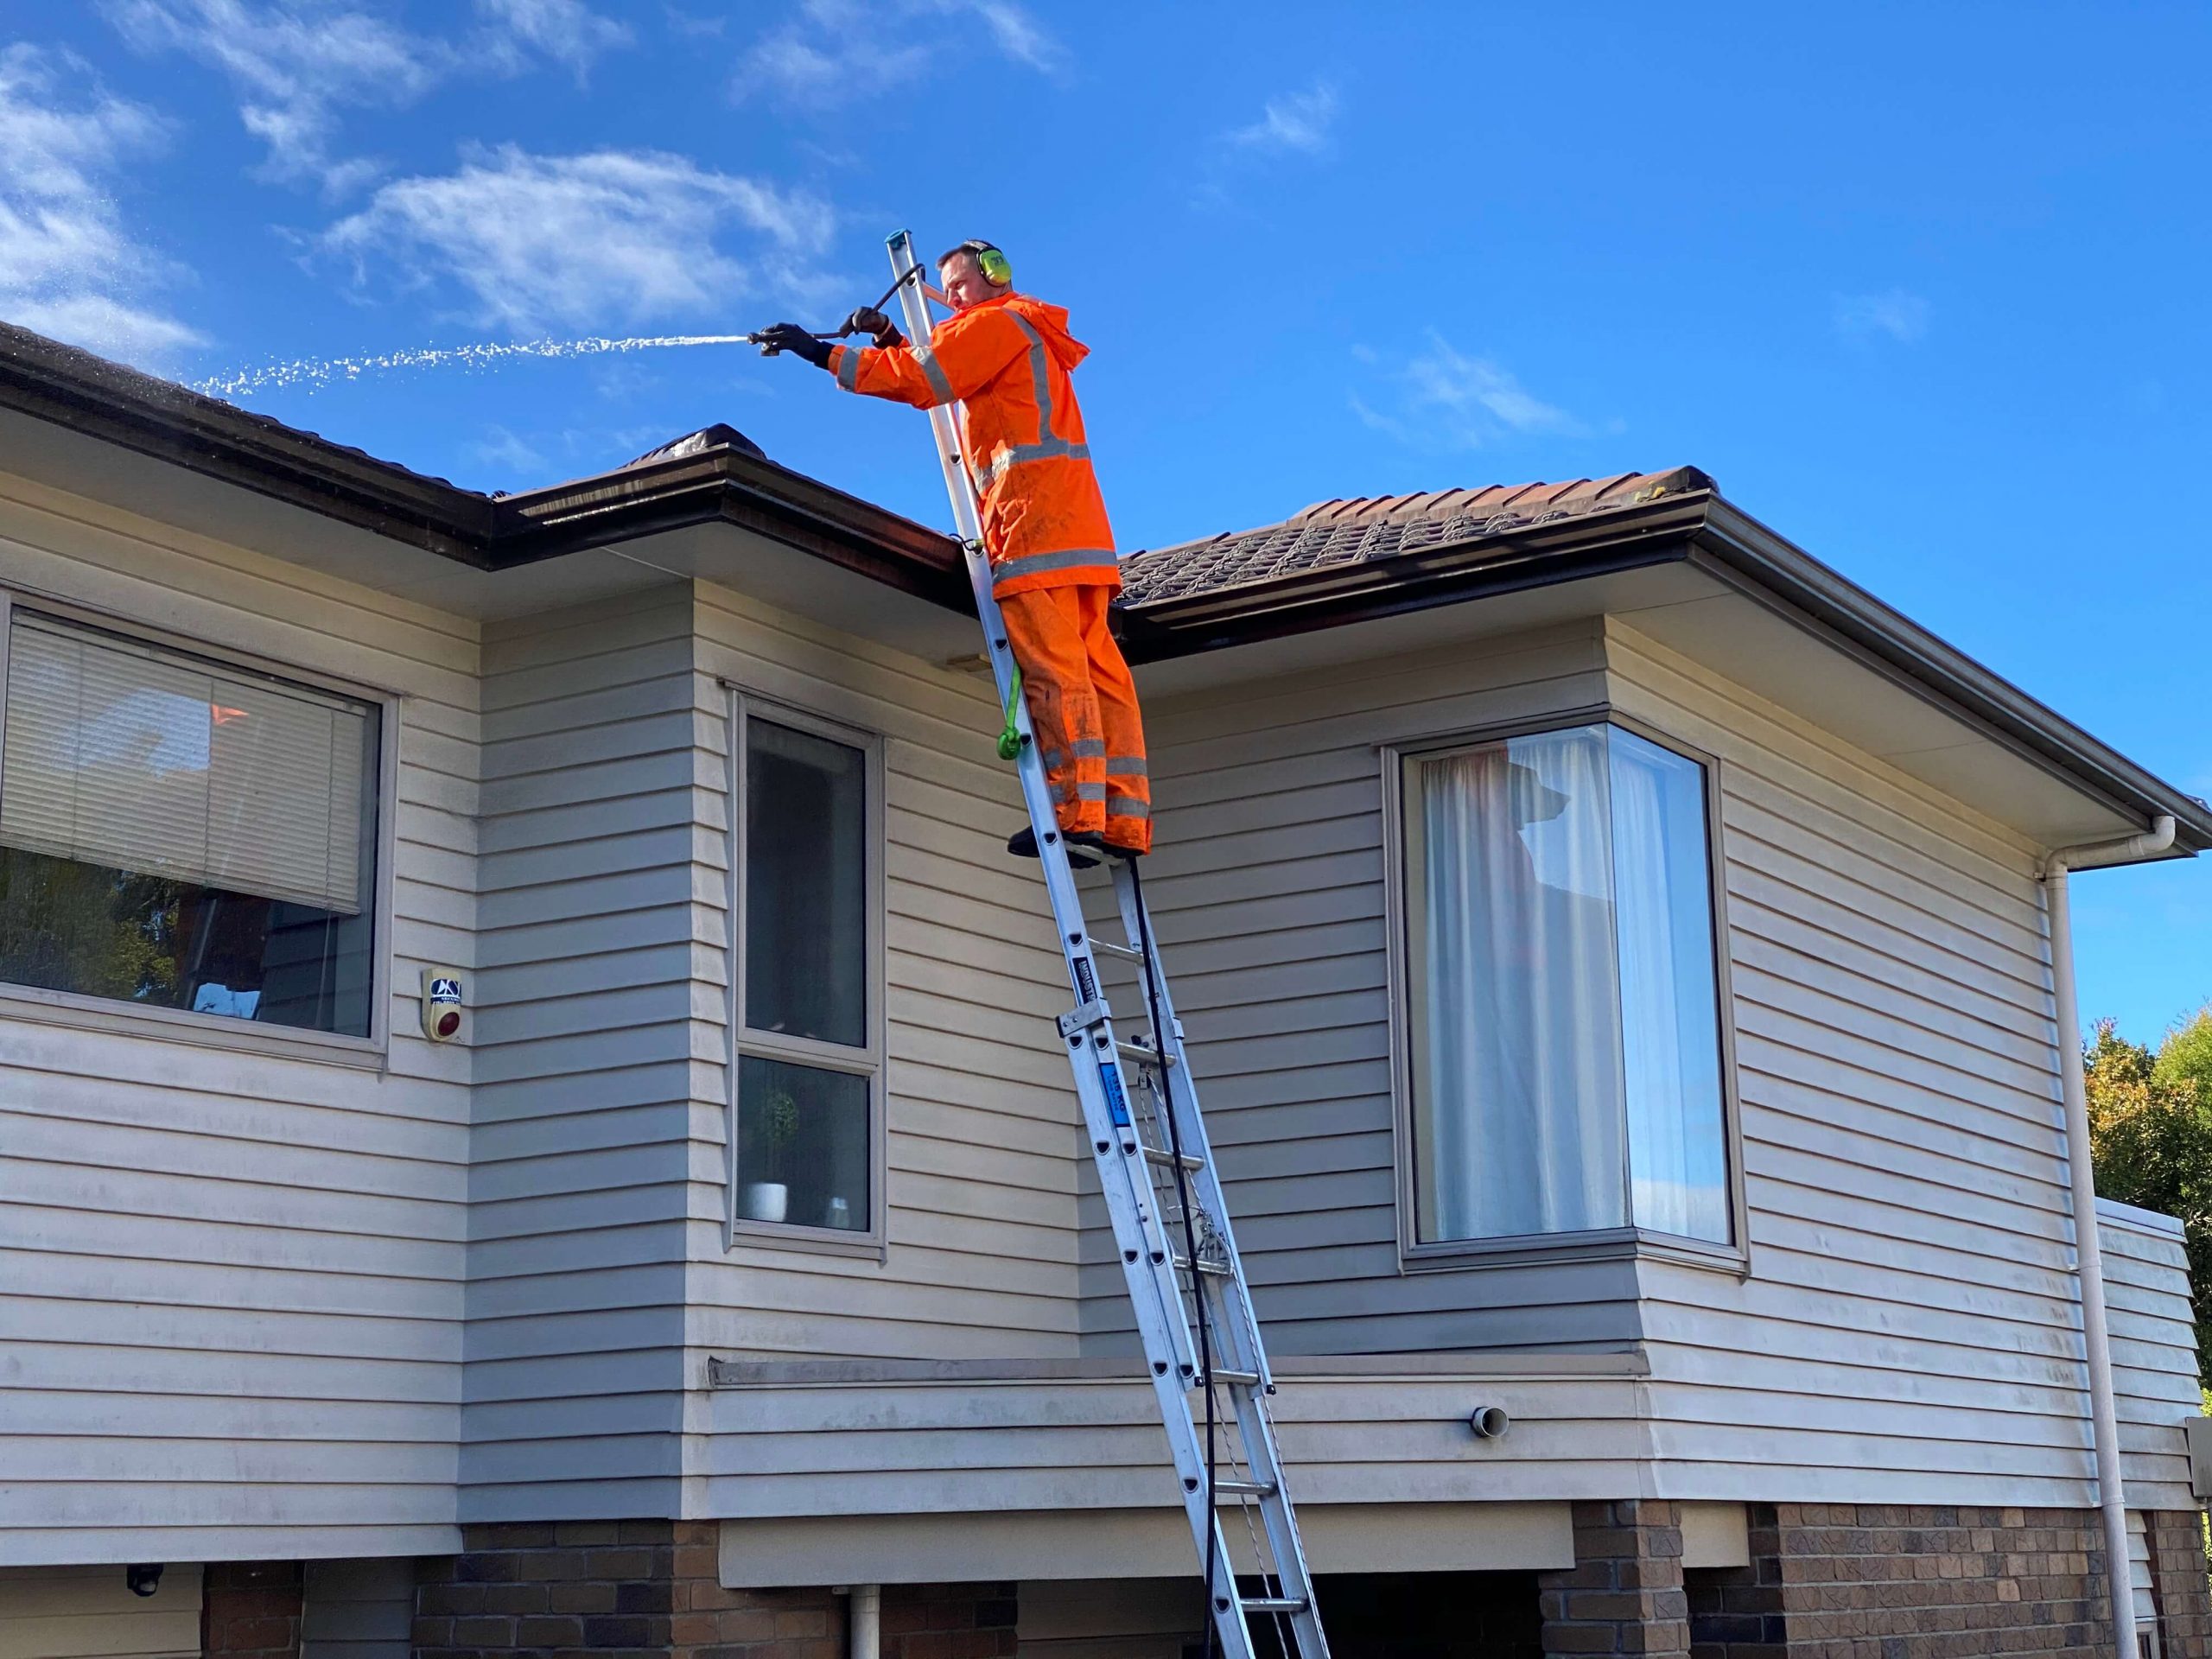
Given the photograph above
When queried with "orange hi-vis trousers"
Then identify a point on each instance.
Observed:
(1083, 706)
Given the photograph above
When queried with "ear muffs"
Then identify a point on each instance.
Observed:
(997, 270)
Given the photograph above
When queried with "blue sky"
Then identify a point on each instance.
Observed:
(1923, 286)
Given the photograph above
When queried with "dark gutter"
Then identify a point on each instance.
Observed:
(729, 486)
(1702, 529)
(1757, 562)
(74, 389)
(88, 394)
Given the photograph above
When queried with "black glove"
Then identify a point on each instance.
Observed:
(870, 321)
(790, 337)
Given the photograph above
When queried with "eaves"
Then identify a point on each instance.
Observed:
(1703, 530)
(86, 394)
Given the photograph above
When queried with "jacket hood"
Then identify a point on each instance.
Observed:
(1050, 322)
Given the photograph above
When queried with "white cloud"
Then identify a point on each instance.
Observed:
(835, 51)
(500, 448)
(1901, 316)
(1016, 34)
(298, 65)
(68, 268)
(579, 240)
(565, 31)
(1441, 399)
(1295, 122)
(295, 66)
(693, 25)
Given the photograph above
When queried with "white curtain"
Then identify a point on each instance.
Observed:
(1668, 1025)
(1518, 1096)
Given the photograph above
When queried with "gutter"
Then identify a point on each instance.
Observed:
(2089, 1248)
(1763, 567)
(83, 393)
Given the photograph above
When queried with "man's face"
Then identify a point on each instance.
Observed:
(963, 283)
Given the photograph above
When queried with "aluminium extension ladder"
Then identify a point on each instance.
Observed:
(1156, 1171)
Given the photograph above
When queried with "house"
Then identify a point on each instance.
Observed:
(1614, 948)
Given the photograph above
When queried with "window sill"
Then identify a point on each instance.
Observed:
(807, 1241)
(80, 1012)
(1613, 1244)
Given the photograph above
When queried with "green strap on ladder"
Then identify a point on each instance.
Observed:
(1010, 738)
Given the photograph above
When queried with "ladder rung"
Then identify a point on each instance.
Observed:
(1218, 1270)
(1128, 951)
(1273, 1604)
(1143, 1053)
(1222, 1374)
(1243, 1488)
(1160, 1155)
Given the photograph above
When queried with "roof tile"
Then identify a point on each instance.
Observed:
(1357, 528)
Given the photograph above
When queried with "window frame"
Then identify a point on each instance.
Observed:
(740, 1042)
(81, 1011)
(1599, 1244)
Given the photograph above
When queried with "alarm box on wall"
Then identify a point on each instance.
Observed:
(445, 1004)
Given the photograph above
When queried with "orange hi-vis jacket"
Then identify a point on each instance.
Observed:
(1007, 361)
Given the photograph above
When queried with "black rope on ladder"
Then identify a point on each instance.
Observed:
(1190, 1247)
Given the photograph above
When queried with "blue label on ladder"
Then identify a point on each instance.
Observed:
(1109, 1078)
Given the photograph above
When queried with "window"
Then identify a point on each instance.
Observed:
(185, 834)
(806, 997)
(1563, 1025)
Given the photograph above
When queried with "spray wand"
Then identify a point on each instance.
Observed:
(852, 328)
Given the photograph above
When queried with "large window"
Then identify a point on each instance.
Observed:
(1563, 1020)
(807, 1113)
(180, 833)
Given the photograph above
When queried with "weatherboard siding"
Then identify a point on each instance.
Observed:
(1911, 1319)
(1268, 893)
(588, 1051)
(232, 1318)
(980, 1254)
(1903, 1155)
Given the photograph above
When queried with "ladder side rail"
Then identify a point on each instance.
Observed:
(1256, 1428)
(1124, 1178)
(1279, 1516)
(1156, 1296)
(1180, 1092)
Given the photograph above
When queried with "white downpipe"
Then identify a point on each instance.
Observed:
(864, 1622)
(2088, 1250)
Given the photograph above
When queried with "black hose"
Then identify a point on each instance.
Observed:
(1190, 1241)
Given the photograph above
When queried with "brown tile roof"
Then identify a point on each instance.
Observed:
(1366, 528)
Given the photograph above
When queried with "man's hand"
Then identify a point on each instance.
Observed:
(790, 337)
(870, 321)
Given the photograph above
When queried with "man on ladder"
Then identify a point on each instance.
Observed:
(1006, 359)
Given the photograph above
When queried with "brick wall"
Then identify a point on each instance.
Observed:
(2179, 1582)
(1624, 1594)
(651, 1590)
(250, 1610)
(949, 1620)
(1869, 1581)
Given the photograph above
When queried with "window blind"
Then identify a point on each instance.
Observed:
(129, 757)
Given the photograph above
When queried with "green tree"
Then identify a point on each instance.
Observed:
(2150, 1140)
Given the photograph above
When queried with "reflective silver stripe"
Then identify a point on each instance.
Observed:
(1126, 806)
(1054, 759)
(1039, 377)
(1126, 766)
(1031, 563)
(1062, 793)
(849, 367)
(1086, 748)
(939, 385)
(1091, 791)
(1010, 456)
